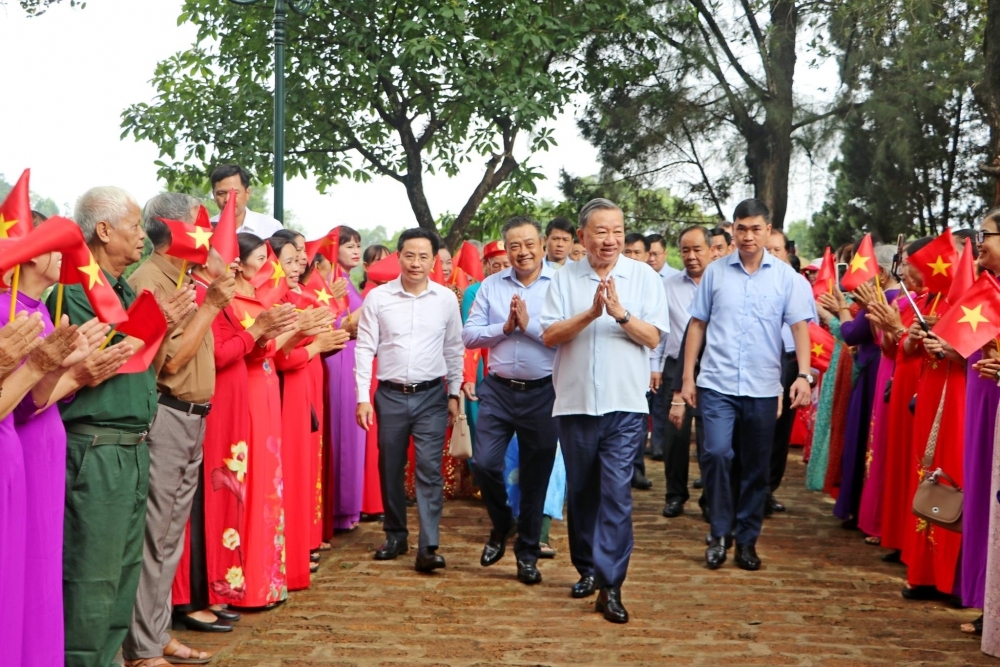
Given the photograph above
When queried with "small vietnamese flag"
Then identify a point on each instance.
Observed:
(826, 277)
(437, 273)
(145, 322)
(246, 310)
(974, 319)
(224, 238)
(385, 269)
(15, 211)
(965, 274)
(190, 242)
(203, 220)
(317, 291)
(328, 246)
(79, 266)
(460, 279)
(821, 344)
(54, 235)
(936, 262)
(270, 281)
(863, 267)
(468, 260)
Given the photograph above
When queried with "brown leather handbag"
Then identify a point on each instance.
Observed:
(460, 446)
(936, 502)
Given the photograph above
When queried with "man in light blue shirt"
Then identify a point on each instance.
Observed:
(516, 396)
(737, 312)
(605, 313)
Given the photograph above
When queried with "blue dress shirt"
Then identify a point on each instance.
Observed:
(521, 355)
(680, 289)
(744, 312)
(602, 370)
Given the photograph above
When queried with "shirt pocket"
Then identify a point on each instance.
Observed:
(768, 307)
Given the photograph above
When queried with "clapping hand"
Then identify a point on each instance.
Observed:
(89, 337)
(17, 340)
(178, 305)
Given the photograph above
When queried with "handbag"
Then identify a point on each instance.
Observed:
(935, 502)
(460, 447)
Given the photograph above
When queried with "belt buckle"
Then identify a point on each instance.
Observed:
(518, 384)
(410, 388)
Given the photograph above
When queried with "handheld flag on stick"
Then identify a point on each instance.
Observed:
(270, 281)
(145, 322)
(974, 319)
(79, 266)
(821, 343)
(965, 274)
(224, 238)
(863, 266)
(15, 221)
(437, 273)
(385, 269)
(937, 262)
(826, 277)
(188, 242)
(468, 260)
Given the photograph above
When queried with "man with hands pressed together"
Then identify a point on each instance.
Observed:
(415, 328)
(517, 394)
(605, 313)
(737, 312)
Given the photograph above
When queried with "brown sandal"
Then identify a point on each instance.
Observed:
(172, 654)
(147, 662)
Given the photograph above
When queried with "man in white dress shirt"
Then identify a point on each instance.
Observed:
(605, 313)
(415, 328)
(228, 178)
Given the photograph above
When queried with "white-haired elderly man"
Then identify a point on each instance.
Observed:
(107, 462)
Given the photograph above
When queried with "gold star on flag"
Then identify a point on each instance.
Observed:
(5, 225)
(201, 237)
(323, 296)
(247, 321)
(817, 349)
(93, 271)
(278, 274)
(859, 263)
(940, 267)
(973, 316)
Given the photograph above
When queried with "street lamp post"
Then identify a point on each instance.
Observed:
(280, 15)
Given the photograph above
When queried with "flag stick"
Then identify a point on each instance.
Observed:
(830, 280)
(180, 279)
(108, 339)
(59, 300)
(13, 291)
(934, 305)
(997, 341)
(878, 287)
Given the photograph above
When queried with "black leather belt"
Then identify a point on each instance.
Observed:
(200, 409)
(523, 385)
(414, 388)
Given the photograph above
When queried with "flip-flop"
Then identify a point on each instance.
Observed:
(146, 662)
(545, 551)
(973, 628)
(170, 654)
(873, 540)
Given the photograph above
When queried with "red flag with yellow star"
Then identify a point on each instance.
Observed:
(965, 274)
(145, 322)
(863, 266)
(80, 267)
(224, 237)
(974, 319)
(384, 270)
(460, 278)
(826, 277)
(317, 292)
(15, 211)
(55, 234)
(190, 242)
(937, 262)
(246, 310)
(821, 345)
(468, 260)
(203, 220)
(328, 246)
(270, 281)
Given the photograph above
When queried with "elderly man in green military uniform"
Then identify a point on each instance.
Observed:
(107, 462)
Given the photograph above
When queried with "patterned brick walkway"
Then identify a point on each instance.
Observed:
(823, 598)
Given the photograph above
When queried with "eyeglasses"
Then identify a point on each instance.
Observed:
(981, 235)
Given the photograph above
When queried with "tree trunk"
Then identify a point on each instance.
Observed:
(988, 93)
(414, 178)
(769, 145)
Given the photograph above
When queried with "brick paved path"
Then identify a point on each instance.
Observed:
(822, 598)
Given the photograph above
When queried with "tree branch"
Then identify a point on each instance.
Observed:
(724, 45)
(839, 110)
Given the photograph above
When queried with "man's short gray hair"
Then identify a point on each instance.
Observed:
(884, 254)
(169, 205)
(599, 204)
(106, 203)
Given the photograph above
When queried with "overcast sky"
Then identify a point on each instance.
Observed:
(69, 74)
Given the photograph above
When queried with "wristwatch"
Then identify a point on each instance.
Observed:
(625, 318)
(808, 378)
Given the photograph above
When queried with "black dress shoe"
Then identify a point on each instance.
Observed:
(923, 593)
(583, 588)
(894, 556)
(372, 518)
(657, 456)
(391, 548)
(639, 481)
(746, 557)
(674, 508)
(771, 505)
(527, 573)
(698, 483)
(428, 560)
(705, 516)
(200, 626)
(715, 554)
(494, 549)
(609, 603)
(227, 615)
